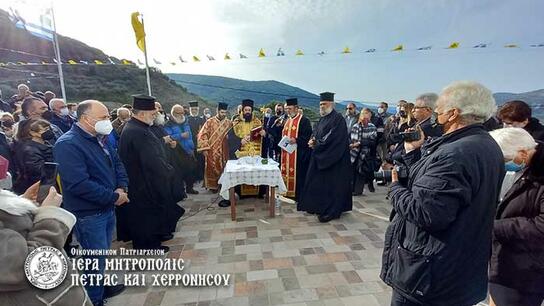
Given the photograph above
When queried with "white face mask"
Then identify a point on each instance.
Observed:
(381, 110)
(64, 111)
(103, 127)
(74, 114)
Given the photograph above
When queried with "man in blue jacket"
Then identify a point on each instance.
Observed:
(93, 181)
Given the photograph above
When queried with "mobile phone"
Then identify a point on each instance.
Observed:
(48, 179)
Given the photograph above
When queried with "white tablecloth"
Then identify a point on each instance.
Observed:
(250, 171)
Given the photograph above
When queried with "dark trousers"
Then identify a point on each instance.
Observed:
(359, 180)
(398, 300)
(505, 296)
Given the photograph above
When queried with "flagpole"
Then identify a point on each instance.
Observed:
(57, 54)
(146, 65)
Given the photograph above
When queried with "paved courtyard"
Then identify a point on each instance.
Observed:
(288, 260)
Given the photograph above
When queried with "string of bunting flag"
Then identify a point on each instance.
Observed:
(260, 54)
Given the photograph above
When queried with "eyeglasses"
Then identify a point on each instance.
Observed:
(349, 108)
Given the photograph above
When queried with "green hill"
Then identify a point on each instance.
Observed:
(233, 91)
(111, 83)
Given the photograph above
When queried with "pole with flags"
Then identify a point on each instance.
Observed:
(57, 55)
(139, 31)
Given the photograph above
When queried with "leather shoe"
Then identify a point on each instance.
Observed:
(191, 191)
(224, 203)
(111, 291)
(326, 218)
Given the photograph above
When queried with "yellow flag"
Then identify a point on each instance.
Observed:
(227, 56)
(98, 62)
(139, 31)
(126, 62)
(261, 53)
(346, 50)
(511, 46)
(299, 52)
(454, 45)
(72, 62)
(196, 59)
(398, 48)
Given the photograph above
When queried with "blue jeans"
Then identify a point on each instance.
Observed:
(95, 232)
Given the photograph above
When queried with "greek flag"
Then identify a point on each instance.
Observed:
(37, 23)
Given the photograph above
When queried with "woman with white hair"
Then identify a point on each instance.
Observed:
(517, 260)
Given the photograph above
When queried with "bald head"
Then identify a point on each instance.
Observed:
(89, 112)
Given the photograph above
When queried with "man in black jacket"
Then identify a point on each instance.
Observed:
(438, 244)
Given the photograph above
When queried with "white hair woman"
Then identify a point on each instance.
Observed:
(517, 260)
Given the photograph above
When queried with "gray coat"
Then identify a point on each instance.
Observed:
(23, 228)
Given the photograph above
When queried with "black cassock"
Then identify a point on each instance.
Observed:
(303, 155)
(196, 123)
(327, 190)
(151, 212)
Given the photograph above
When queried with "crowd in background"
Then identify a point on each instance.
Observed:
(463, 142)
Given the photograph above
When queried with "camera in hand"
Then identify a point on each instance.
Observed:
(385, 175)
(410, 136)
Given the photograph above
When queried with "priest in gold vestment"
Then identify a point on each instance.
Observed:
(249, 129)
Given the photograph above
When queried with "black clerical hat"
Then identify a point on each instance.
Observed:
(222, 106)
(247, 102)
(143, 102)
(327, 96)
(193, 103)
(291, 101)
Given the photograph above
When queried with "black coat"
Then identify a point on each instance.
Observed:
(536, 129)
(179, 160)
(30, 157)
(148, 215)
(517, 260)
(196, 124)
(329, 159)
(437, 247)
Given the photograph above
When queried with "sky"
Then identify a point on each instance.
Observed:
(214, 27)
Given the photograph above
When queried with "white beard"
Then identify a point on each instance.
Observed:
(159, 120)
(178, 120)
(326, 111)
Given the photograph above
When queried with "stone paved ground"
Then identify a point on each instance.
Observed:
(288, 260)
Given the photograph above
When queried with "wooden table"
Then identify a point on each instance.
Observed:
(238, 172)
(270, 198)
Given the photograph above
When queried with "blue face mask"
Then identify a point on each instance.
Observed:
(512, 166)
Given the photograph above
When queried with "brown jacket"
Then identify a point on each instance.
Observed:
(23, 228)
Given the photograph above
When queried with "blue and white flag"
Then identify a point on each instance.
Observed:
(37, 22)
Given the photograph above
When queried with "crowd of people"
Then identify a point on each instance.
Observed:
(465, 182)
